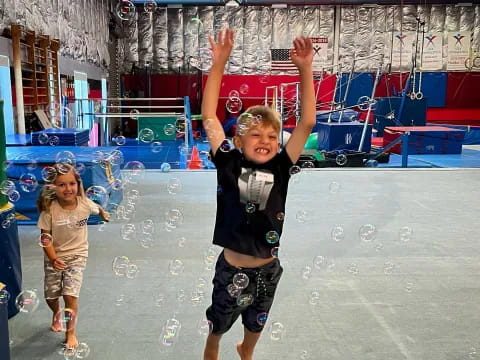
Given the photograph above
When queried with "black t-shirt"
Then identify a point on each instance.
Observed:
(250, 202)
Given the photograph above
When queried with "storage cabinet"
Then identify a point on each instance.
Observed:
(35, 60)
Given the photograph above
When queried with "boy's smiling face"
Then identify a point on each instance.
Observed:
(259, 144)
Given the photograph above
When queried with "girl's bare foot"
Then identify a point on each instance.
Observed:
(56, 324)
(71, 341)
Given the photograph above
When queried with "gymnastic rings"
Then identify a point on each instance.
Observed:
(363, 102)
(416, 95)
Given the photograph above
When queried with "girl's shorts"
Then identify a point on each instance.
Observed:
(253, 302)
(67, 281)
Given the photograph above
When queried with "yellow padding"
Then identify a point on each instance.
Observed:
(8, 206)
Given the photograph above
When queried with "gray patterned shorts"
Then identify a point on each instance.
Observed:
(64, 282)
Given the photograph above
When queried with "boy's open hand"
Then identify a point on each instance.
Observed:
(222, 48)
(302, 52)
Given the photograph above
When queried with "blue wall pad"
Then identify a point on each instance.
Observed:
(434, 88)
(18, 140)
(343, 136)
(95, 173)
(66, 137)
(361, 85)
(414, 112)
(10, 260)
(169, 153)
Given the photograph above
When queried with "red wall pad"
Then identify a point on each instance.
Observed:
(426, 139)
(463, 90)
(391, 84)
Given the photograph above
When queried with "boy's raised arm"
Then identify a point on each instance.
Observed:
(302, 57)
(221, 50)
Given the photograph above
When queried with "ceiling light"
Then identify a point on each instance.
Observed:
(233, 3)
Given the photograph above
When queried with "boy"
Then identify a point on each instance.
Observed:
(251, 194)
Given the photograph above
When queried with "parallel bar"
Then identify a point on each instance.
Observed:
(120, 115)
(129, 99)
(145, 107)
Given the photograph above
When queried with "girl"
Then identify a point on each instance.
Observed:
(64, 210)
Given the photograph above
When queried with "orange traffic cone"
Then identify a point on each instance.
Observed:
(195, 162)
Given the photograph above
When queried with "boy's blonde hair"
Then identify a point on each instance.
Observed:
(258, 115)
(48, 194)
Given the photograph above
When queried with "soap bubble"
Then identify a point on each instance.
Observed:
(120, 265)
(156, 147)
(54, 140)
(262, 318)
(205, 327)
(367, 232)
(244, 88)
(66, 157)
(169, 129)
(4, 296)
(150, 6)
(45, 240)
(27, 301)
(295, 169)
(245, 300)
(241, 280)
(165, 167)
(176, 267)
(119, 140)
(174, 186)
(405, 234)
(277, 331)
(146, 135)
(272, 237)
(28, 182)
(334, 187)
(6, 187)
(338, 233)
(98, 194)
(302, 216)
(234, 105)
(233, 290)
(49, 174)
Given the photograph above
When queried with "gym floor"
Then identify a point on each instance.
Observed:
(379, 264)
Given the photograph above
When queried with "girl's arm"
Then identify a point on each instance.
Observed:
(49, 250)
(221, 52)
(105, 215)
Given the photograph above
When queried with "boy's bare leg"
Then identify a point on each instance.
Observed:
(71, 341)
(212, 347)
(245, 349)
(54, 305)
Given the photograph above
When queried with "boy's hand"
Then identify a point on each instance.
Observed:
(302, 52)
(222, 48)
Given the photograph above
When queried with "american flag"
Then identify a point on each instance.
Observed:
(281, 60)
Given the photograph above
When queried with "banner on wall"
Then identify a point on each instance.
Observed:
(403, 47)
(320, 53)
(458, 46)
(432, 52)
(281, 57)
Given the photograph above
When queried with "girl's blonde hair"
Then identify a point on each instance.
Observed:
(258, 115)
(48, 194)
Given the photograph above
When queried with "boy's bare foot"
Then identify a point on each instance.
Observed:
(71, 341)
(241, 353)
(56, 325)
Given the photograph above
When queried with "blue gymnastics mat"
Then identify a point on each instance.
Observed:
(31, 159)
